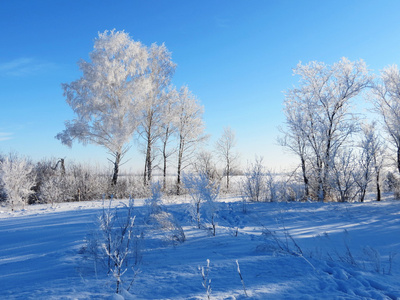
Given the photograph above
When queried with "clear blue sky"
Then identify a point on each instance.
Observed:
(235, 56)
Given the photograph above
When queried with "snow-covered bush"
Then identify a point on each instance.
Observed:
(273, 187)
(3, 194)
(18, 179)
(262, 185)
(204, 164)
(289, 190)
(116, 244)
(392, 184)
(52, 189)
(254, 187)
(136, 187)
(113, 244)
(85, 182)
(43, 170)
(190, 184)
(202, 190)
(162, 220)
(280, 242)
(57, 181)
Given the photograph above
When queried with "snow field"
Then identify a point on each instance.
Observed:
(285, 251)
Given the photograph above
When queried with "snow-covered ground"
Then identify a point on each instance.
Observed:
(285, 251)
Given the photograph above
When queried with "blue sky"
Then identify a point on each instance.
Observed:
(235, 56)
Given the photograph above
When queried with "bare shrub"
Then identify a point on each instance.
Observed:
(113, 244)
(254, 187)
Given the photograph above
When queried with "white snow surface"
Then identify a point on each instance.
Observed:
(343, 252)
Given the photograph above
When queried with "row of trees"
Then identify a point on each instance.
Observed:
(340, 153)
(126, 90)
(51, 181)
(23, 181)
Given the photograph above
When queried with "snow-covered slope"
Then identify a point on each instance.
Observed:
(285, 251)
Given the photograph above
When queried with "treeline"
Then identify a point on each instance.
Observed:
(24, 182)
(125, 92)
(341, 153)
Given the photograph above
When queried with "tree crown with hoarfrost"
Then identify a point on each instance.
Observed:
(108, 97)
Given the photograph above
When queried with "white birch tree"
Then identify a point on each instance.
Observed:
(225, 150)
(325, 95)
(204, 164)
(294, 137)
(190, 128)
(368, 149)
(386, 97)
(371, 160)
(160, 71)
(107, 98)
(168, 130)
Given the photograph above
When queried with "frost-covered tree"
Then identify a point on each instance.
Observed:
(18, 179)
(378, 163)
(368, 149)
(107, 98)
(204, 164)
(386, 97)
(224, 147)
(52, 189)
(160, 72)
(371, 160)
(295, 139)
(190, 127)
(51, 180)
(324, 96)
(345, 175)
(168, 130)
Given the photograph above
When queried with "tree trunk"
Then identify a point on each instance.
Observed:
(164, 167)
(178, 181)
(145, 172)
(378, 187)
(327, 163)
(305, 178)
(149, 163)
(62, 166)
(165, 156)
(116, 168)
(366, 180)
(198, 214)
(148, 167)
(228, 173)
(180, 155)
(362, 197)
(321, 188)
(398, 159)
